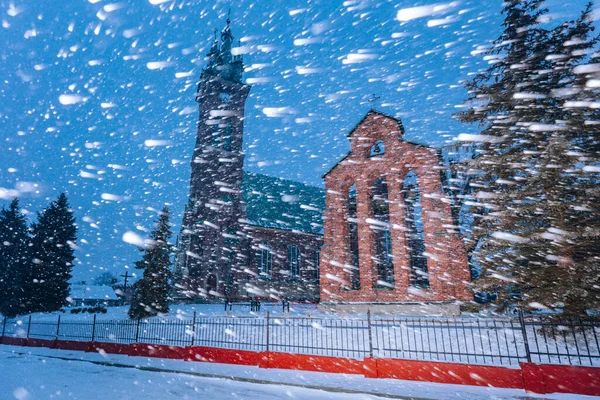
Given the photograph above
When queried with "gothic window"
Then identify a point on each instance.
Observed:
(294, 262)
(229, 284)
(214, 251)
(414, 232)
(216, 136)
(265, 260)
(380, 224)
(221, 136)
(227, 138)
(211, 285)
(317, 268)
(231, 238)
(377, 149)
(353, 239)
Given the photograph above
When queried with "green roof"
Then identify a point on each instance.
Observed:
(283, 204)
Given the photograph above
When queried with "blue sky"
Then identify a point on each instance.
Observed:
(85, 85)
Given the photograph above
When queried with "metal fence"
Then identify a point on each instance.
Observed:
(464, 340)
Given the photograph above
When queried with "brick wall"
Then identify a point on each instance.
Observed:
(445, 253)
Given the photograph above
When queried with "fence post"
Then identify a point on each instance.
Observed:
(194, 326)
(268, 322)
(4, 326)
(370, 334)
(137, 330)
(57, 326)
(524, 333)
(94, 328)
(29, 326)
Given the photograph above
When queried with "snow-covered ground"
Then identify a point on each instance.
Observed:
(38, 373)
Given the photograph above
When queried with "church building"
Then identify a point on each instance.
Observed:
(384, 236)
(243, 234)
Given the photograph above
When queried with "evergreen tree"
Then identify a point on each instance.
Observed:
(151, 293)
(576, 151)
(52, 247)
(524, 175)
(14, 247)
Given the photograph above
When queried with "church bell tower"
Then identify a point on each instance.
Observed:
(207, 256)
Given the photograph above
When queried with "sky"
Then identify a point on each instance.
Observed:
(97, 96)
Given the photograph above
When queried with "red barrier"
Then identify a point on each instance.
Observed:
(13, 341)
(111, 348)
(72, 345)
(440, 372)
(305, 362)
(569, 379)
(40, 343)
(159, 351)
(370, 368)
(531, 377)
(225, 356)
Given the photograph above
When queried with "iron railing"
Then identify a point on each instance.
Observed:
(487, 341)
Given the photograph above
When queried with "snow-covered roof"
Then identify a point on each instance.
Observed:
(92, 292)
(283, 204)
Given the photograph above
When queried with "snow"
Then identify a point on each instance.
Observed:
(78, 375)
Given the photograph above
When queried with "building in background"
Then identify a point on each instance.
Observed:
(389, 237)
(93, 296)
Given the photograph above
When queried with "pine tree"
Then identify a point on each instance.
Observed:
(52, 256)
(526, 186)
(14, 247)
(151, 293)
(499, 104)
(576, 149)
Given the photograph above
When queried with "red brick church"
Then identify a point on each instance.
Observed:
(386, 236)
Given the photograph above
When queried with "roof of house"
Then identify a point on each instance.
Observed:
(283, 204)
(92, 292)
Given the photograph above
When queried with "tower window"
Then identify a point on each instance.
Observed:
(227, 138)
(377, 149)
(225, 97)
(221, 136)
(216, 136)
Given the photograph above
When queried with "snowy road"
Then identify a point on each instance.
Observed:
(37, 373)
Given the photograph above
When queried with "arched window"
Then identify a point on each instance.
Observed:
(414, 232)
(211, 285)
(294, 262)
(377, 149)
(353, 239)
(227, 138)
(380, 224)
(215, 135)
(231, 237)
(317, 268)
(265, 260)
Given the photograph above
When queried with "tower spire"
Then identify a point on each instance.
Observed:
(226, 40)
(221, 61)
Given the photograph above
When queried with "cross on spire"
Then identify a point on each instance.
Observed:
(373, 100)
